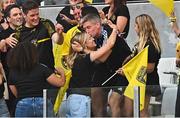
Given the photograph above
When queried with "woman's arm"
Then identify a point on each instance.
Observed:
(150, 67)
(57, 79)
(13, 90)
(1, 74)
(101, 52)
(174, 24)
(121, 23)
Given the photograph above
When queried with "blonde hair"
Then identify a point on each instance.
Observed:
(2, 2)
(147, 30)
(81, 38)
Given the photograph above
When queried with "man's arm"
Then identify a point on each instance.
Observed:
(58, 36)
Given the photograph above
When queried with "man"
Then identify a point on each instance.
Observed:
(92, 25)
(13, 14)
(40, 32)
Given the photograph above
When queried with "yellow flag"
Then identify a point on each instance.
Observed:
(166, 6)
(135, 72)
(89, 1)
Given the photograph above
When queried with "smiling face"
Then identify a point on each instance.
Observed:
(76, 8)
(15, 17)
(32, 18)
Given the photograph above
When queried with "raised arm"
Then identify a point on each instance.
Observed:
(174, 24)
(103, 52)
(58, 36)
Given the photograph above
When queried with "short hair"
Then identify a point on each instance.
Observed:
(89, 10)
(29, 5)
(9, 8)
(92, 18)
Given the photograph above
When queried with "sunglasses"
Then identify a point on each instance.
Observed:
(77, 6)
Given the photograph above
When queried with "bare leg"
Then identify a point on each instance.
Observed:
(145, 111)
(115, 104)
(99, 102)
(128, 107)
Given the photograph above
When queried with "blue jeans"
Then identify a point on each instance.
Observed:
(78, 106)
(3, 108)
(32, 107)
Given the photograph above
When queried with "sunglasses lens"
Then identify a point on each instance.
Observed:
(77, 6)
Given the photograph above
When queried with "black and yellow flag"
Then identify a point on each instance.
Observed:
(135, 72)
(166, 6)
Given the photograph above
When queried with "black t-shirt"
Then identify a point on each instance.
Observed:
(30, 84)
(64, 23)
(153, 57)
(41, 34)
(3, 35)
(82, 75)
(122, 10)
(82, 72)
(119, 53)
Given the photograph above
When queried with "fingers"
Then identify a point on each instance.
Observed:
(76, 46)
(59, 28)
(120, 71)
(11, 41)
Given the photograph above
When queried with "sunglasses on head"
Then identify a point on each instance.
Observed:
(77, 6)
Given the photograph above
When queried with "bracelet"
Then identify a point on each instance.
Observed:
(173, 19)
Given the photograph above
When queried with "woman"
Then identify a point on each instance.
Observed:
(118, 13)
(83, 68)
(27, 79)
(147, 36)
(5, 3)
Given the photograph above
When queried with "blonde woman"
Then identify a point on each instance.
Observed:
(147, 36)
(3, 6)
(5, 3)
(82, 62)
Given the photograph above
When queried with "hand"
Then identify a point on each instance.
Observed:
(103, 17)
(11, 41)
(3, 47)
(60, 72)
(111, 25)
(59, 28)
(120, 71)
(64, 17)
(76, 47)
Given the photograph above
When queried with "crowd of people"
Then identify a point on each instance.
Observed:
(91, 45)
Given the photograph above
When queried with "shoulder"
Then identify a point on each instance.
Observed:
(65, 10)
(73, 31)
(46, 21)
(123, 10)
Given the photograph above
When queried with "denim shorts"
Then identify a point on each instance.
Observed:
(78, 106)
(3, 108)
(32, 107)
